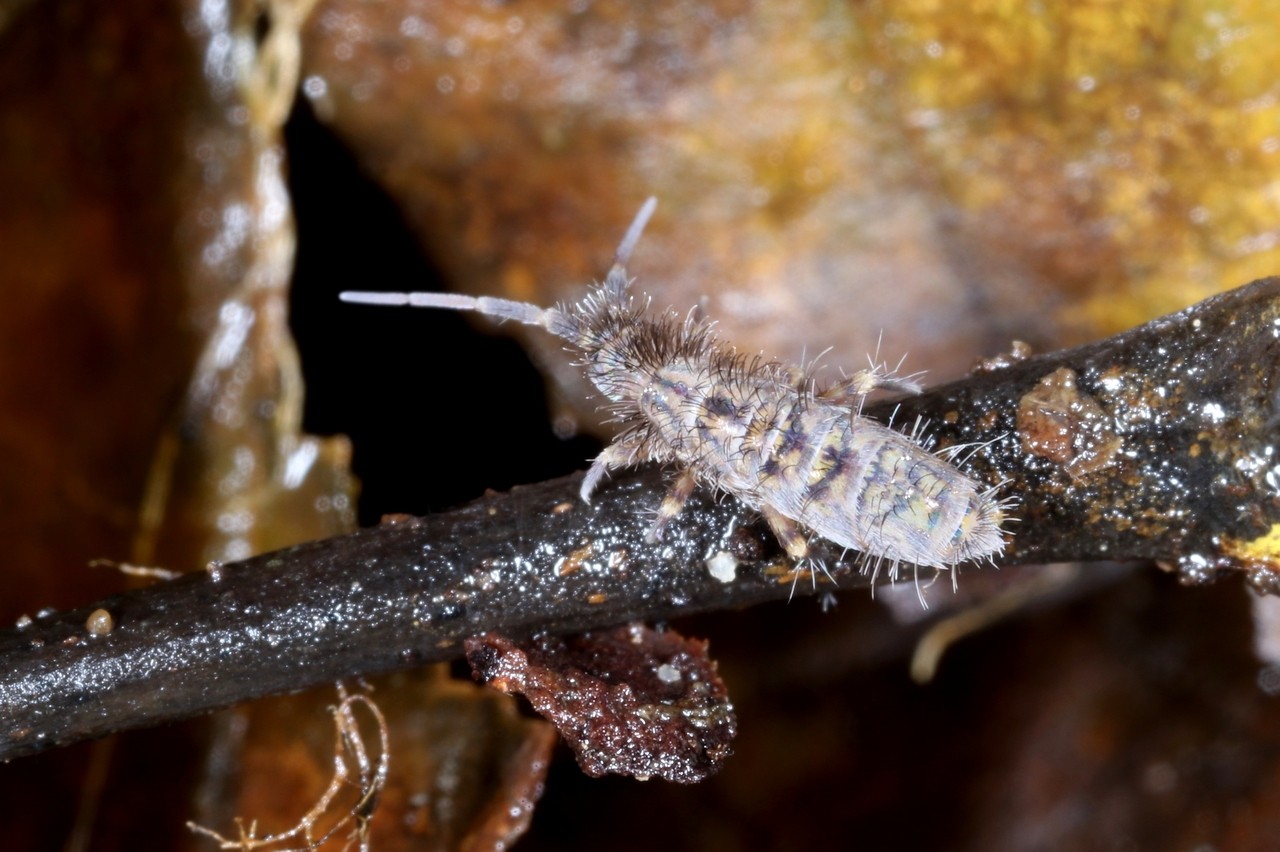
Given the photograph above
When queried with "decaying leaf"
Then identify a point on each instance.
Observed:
(630, 701)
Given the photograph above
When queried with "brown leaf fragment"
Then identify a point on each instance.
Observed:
(632, 700)
(465, 768)
(469, 766)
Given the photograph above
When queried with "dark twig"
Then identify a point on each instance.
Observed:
(1153, 444)
(389, 597)
(1158, 443)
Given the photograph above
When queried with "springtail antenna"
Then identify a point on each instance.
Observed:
(551, 319)
(632, 236)
(616, 281)
(501, 309)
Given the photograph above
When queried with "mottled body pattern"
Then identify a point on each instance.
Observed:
(762, 431)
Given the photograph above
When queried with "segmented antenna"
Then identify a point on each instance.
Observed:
(550, 319)
(503, 309)
(616, 281)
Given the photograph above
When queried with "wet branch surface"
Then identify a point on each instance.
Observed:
(1154, 444)
(1157, 443)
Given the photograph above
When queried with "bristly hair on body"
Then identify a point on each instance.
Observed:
(802, 456)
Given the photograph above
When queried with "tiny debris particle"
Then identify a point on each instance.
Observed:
(597, 598)
(668, 673)
(1059, 421)
(397, 519)
(132, 570)
(723, 566)
(214, 568)
(1019, 351)
(99, 623)
(575, 561)
(24, 621)
(561, 508)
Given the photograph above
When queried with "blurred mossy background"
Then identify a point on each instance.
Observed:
(941, 178)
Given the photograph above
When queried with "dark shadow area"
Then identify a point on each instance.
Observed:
(422, 394)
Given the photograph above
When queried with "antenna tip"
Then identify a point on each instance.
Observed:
(364, 297)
